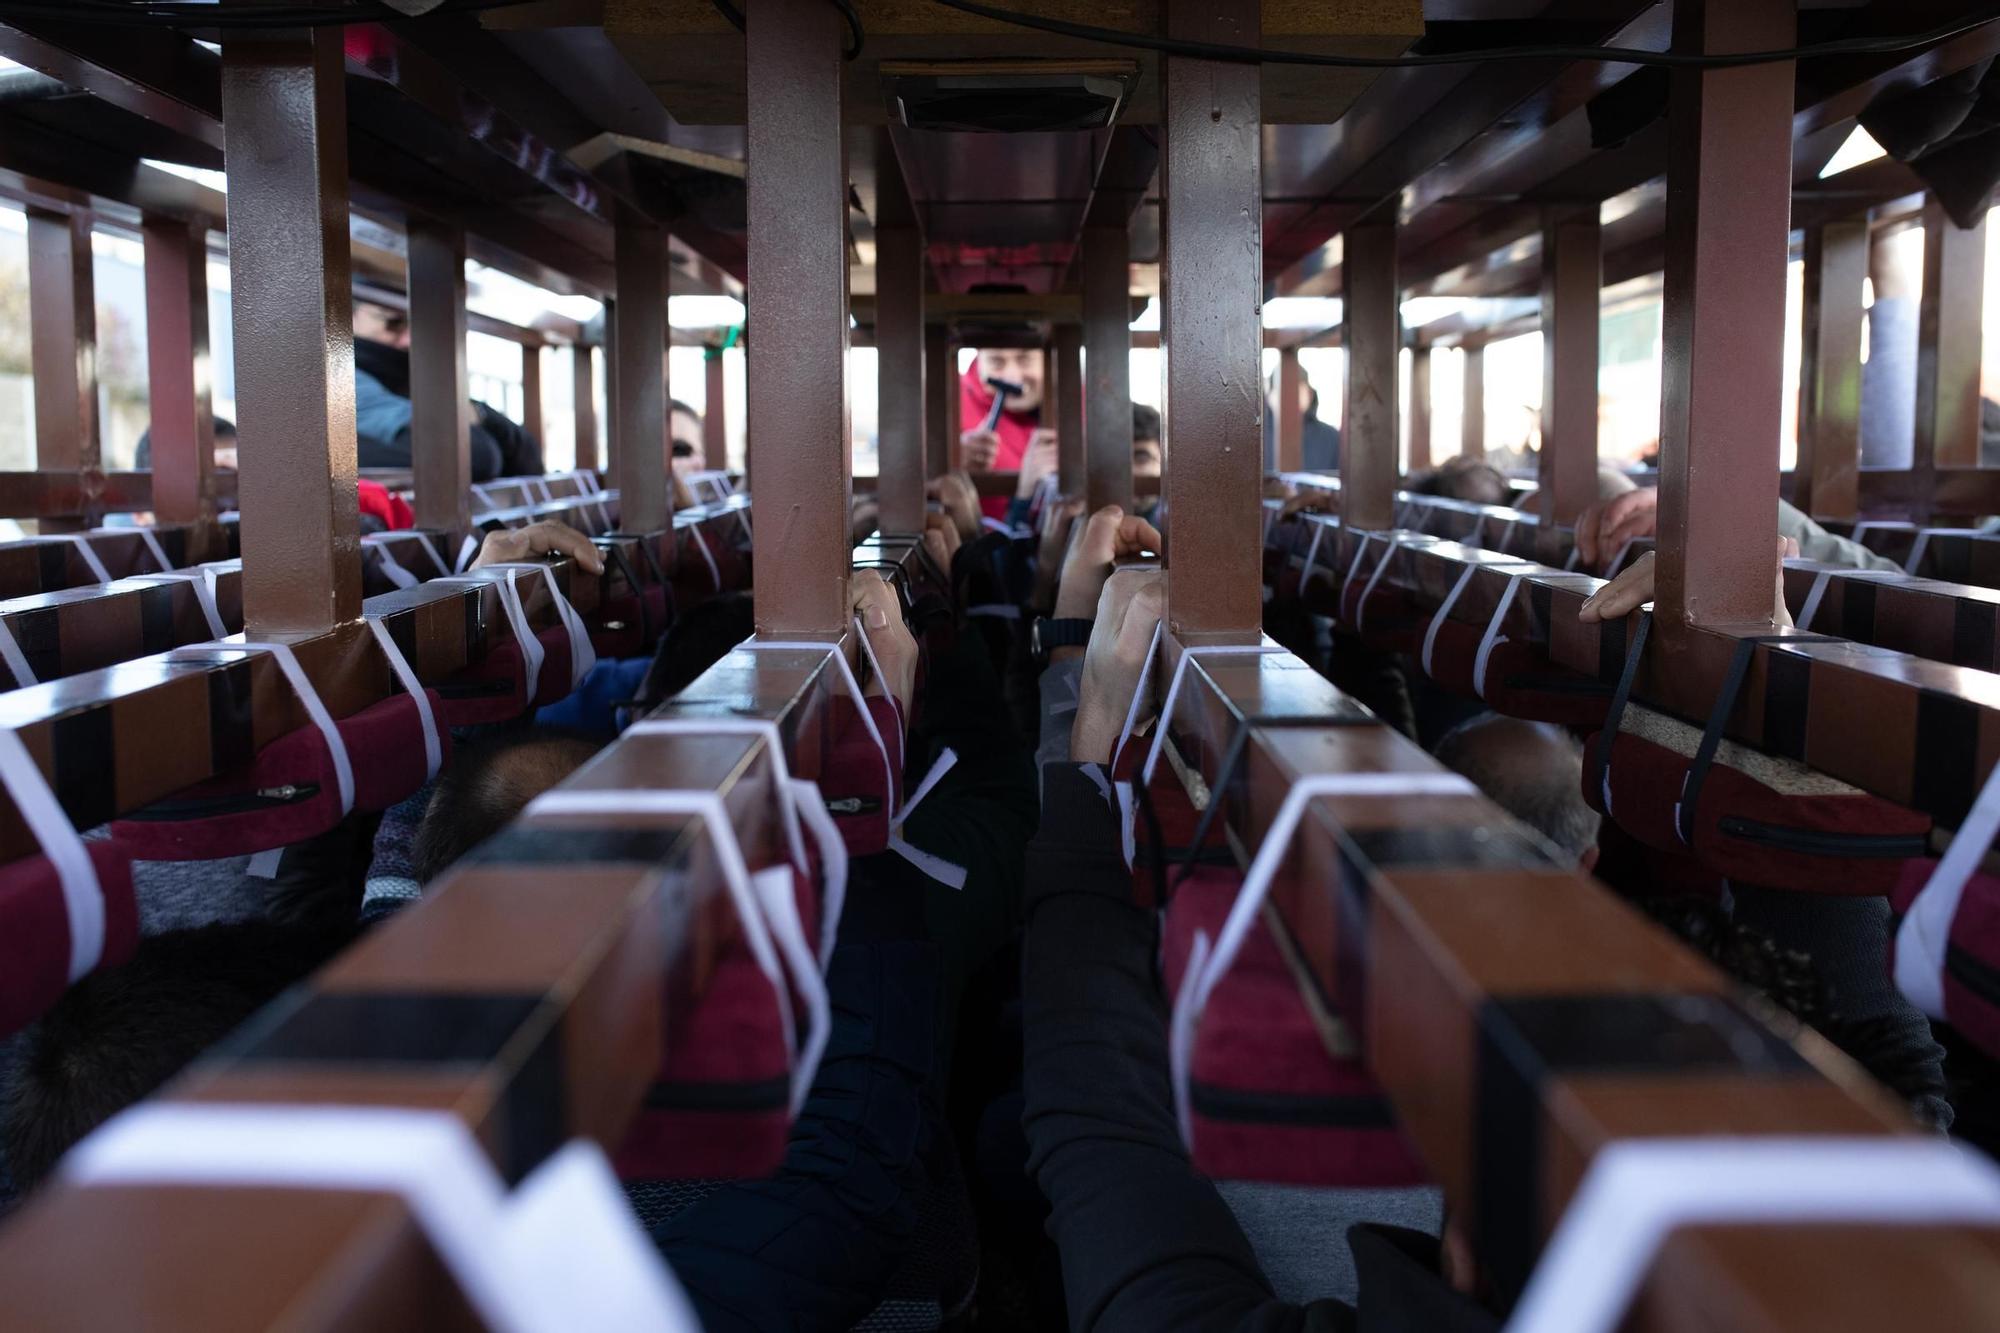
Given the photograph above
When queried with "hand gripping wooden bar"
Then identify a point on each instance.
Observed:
(1445, 935)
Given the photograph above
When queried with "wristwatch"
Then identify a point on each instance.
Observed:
(1048, 634)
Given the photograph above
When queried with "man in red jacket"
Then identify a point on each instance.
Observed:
(1005, 444)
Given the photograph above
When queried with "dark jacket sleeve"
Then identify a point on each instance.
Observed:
(1146, 1242)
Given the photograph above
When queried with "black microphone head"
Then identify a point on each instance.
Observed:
(1005, 388)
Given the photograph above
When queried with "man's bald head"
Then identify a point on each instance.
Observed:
(1531, 770)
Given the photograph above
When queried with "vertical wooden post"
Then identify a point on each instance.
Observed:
(940, 390)
(440, 385)
(62, 313)
(899, 362)
(1211, 335)
(1472, 404)
(1948, 340)
(284, 115)
(1420, 408)
(531, 390)
(1828, 475)
(798, 309)
(583, 405)
(178, 383)
(1068, 365)
(1374, 334)
(714, 412)
(1728, 232)
(1291, 413)
(1107, 398)
(639, 458)
(1572, 277)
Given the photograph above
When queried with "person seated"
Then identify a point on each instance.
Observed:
(1319, 441)
(1146, 1241)
(999, 432)
(1469, 479)
(382, 411)
(685, 429)
(225, 447)
(1533, 771)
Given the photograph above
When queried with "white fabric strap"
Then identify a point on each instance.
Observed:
(764, 906)
(707, 556)
(1575, 557)
(302, 686)
(1916, 560)
(875, 667)
(392, 568)
(91, 560)
(839, 659)
(467, 549)
(539, 487)
(809, 801)
(1312, 553)
(1637, 1191)
(587, 481)
(1444, 614)
(398, 663)
(146, 535)
(1354, 570)
(479, 494)
(83, 895)
(1493, 638)
(1256, 887)
(1819, 584)
(202, 580)
(1174, 692)
(16, 660)
(1925, 932)
(582, 657)
(774, 747)
(1138, 694)
(994, 611)
(563, 1252)
(1618, 557)
(947, 873)
(1478, 533)
(1396, 543)
(1862, 529)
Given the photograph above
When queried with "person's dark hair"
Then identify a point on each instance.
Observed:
(485, 785)
(698, 640)
(119, 1034)
(1145, 423)
(1531, 770)
(1465, 479)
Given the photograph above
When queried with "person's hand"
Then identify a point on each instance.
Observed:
(977, 449)
(1603, 529)
(1309, 500)
(1128, 610)
(1058, 524)
(683, 497)
(941, 540)
(1634, 588)
(547, 537)
(960, 498)
(1042, 458)
(881, 615)
(1111, 535)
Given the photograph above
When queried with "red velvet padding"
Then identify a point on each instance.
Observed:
(1521, 681)
(852, 779)
(34, 930)
(1972, 964)
(385, 749)
(1853, 845)
(634, 615)
(493, 689)
(1256, 1042)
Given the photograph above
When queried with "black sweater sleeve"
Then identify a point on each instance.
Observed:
(1146, 1242)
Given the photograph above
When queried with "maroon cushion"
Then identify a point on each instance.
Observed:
(1849, 844)
(851, 775)
(1972, 961)
(1269, 1101)
(34, 929)
(720, 1106)
(385, 750)
(493, 689)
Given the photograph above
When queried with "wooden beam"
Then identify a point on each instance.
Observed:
(1107, 399)
(1728, 236)
(284, 102)
(1291, 413)
(1572, 277)
(532, 419)
(62, 310)
(178, 377)
(940, 390)
(1066, 359)
(1369, 442)
(797, 200)
(1829, 462)
(899, 363)
(1472, 404)
(440, 385)
(583, 405)
(639, 382)
(714, 412)
(1420, 408)
(1948, 340)
(1211, 293)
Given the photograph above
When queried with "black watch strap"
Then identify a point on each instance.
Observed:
(1069, 632)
